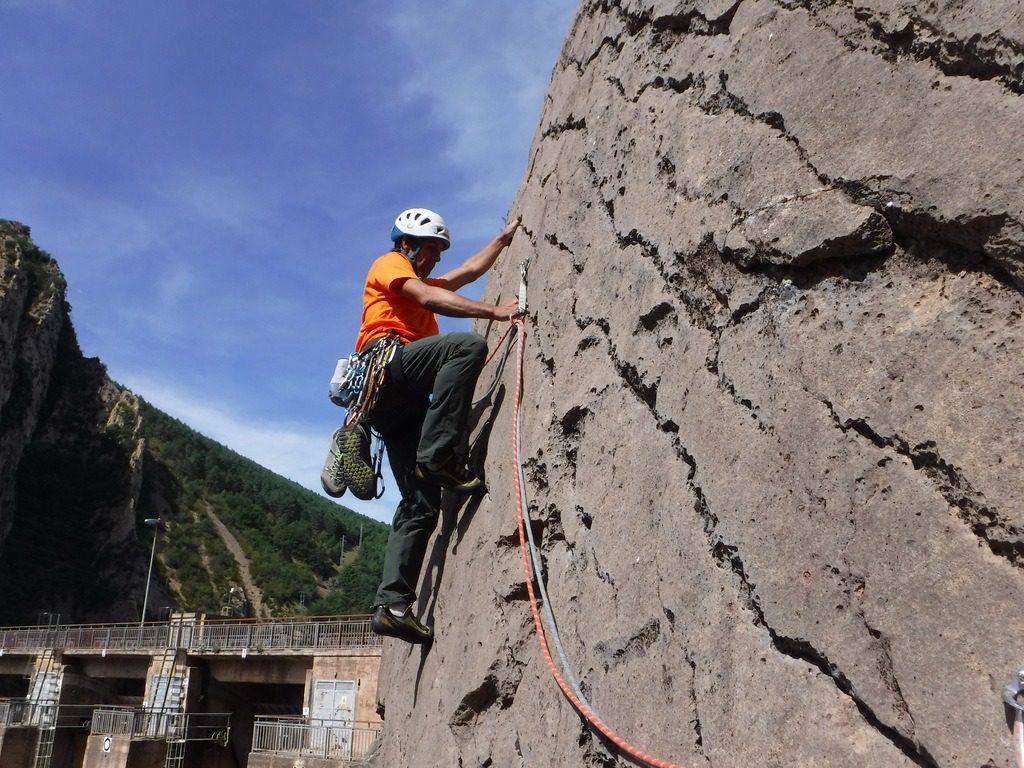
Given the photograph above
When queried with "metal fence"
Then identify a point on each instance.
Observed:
(284, 635)
(13, 711)
(134, 722)
(25, 712)
(143, 723)
(198, 636)
(112, 637)
(334, 739)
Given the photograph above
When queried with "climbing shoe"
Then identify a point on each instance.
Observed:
(404, 627)
(355, 467)
(452, 476)
(330, 476)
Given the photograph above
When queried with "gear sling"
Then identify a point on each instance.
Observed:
(356, 385)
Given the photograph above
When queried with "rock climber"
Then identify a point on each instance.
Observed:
(422, 411)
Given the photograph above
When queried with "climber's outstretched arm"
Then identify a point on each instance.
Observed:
(444, 302)
(481, 261)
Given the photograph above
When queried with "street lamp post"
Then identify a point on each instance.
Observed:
(155, 522)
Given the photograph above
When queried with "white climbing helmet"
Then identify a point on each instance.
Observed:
(420, 222)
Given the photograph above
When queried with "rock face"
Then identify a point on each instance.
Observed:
(773, 424)
(31, 319)
(71, 458)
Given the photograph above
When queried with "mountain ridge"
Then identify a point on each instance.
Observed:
(85, 461)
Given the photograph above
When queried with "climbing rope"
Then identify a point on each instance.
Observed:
(570, 690)
(510, 337)
(535, 559)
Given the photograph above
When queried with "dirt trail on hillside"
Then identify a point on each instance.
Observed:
(251, 590)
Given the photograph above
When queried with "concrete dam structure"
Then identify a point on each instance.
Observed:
(191, 692)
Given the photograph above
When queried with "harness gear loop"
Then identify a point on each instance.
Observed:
(376, 361)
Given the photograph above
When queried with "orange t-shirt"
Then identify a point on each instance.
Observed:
(386, 308)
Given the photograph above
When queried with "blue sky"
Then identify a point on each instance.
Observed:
(214, 179)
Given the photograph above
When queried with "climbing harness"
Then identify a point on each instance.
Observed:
(356, 385)
(358, 378)
(1013, 699)
(529, 554)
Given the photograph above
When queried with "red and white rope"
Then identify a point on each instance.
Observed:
(585, 711)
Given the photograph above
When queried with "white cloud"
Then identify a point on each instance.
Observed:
(477, 73)
(191, 196)
(66, 219)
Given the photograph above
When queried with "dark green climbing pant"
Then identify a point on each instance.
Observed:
(422, 415)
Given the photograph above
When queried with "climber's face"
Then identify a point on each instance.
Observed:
(429, 255)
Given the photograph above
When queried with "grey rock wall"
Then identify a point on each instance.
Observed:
(31, 319)
(773, 401)
(71, 461)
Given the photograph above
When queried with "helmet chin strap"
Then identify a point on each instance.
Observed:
(412, 253)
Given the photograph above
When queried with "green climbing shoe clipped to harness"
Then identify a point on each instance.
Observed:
(330, 476)
(355, 385)
(404, 627)
(349, 464)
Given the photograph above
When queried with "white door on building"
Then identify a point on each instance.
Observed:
(331, 715)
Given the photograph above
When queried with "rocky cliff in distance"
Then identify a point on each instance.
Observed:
(71, 458)
(84, 462)
(774, 410)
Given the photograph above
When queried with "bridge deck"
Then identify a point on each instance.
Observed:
(198, 636)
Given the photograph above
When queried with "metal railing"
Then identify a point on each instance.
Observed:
(199, 636)
(142, 723)
(284, 635)
(134, 722)
(334, 739)
(13, 711)
(23, 712)
(111, 637)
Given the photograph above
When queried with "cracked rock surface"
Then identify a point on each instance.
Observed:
(772, 421)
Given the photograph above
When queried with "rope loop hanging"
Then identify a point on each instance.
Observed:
(531, 557)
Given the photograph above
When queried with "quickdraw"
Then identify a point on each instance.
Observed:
(368, 378)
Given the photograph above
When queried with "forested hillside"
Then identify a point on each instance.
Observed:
(84, 463)
(291, 537)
